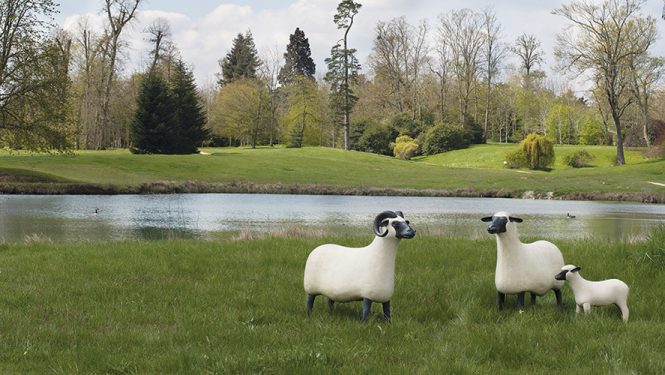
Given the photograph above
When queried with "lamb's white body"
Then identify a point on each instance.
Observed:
(524, 267)
(350, 274)
(597, 293)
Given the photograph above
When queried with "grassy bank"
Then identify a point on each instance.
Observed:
(238, 307)
(476, 171)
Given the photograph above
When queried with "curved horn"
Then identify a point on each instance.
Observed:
(379, 219)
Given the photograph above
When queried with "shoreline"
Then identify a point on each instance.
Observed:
(197, 187)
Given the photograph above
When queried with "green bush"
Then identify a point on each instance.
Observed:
(443, 137)
(534, 152)
(515, 159)
(405, 147)
(375, 138)
(578, 159)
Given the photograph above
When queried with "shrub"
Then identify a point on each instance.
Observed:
(515, 159)
(375, 138)
(405, 147)
(538, 151)
(578, 159)
(534, 152)
(442, 138)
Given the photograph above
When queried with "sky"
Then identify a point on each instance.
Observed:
(203, 30)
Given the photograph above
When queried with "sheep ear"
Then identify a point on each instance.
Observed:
(486, 219)
(515, 219)
(576, 269)
(400, 214)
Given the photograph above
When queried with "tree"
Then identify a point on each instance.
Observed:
(645, 72)
(604, 39)
(297, 59)
(399, 54)
(241, 113)
(241, 61)
(346, 12)
(304, 111)
(527, 48)
(159, 32)
(34, 80)
(493, 53)
(343, 68)
(189, 112)
(462, 31)
(154, 128)
(119, 13)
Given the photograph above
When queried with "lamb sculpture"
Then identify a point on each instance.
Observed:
(595, 293)
(367, 274)
(522, 267)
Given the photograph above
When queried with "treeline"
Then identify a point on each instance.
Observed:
(428, 87)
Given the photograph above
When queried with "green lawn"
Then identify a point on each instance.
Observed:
(477, 169)
(238, 307)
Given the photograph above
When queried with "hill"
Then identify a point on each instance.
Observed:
(476, 171)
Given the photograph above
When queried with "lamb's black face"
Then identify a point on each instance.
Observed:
(561, 275)
(498, 225)
(403, 229)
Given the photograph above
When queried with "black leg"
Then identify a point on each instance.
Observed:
(533, 298)
(330, 305)
(367, 309)
(559, 299)
(520, 300)
(310, 303)
(500, 300)
(386, 310)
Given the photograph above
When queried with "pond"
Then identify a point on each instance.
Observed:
(205, 216)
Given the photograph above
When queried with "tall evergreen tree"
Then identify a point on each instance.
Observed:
(189, 113)
(241, 61)
(346, 12)
(298, 59)
(154, 126)
(343, 68)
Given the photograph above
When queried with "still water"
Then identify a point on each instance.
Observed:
(203, 216)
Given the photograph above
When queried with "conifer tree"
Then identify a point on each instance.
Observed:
(189, 114)
(298, 59)
(154, 125)
(241, 61)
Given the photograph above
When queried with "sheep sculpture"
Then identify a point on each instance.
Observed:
(367, 274)
(522, 267)
(595, 293)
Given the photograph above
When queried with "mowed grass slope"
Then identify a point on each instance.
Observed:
(238, 307)
(479, 168)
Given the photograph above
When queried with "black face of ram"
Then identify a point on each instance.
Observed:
(498, 225)
(403, 229)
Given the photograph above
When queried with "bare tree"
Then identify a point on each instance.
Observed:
(119, 13)
(399, 53)
(159, 33)
(462, 31)
(443, 62)
(527, 48)
(493, 54)
(604, 39)
(645, 73)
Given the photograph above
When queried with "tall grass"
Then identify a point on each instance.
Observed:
(237, 306)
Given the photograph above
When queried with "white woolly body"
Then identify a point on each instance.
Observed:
(349, 274)
(524, 267)
(598, 293)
